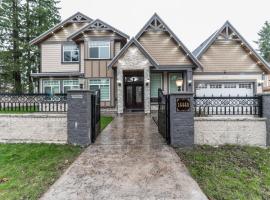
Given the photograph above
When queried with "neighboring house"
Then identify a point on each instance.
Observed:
(230, 66)
(85, 53)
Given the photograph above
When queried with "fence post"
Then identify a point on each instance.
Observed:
(79, 117)
(265, 112)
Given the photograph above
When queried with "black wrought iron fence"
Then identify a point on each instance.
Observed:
(207, 106)
(95, 114)
(163, 115)
(33, 103)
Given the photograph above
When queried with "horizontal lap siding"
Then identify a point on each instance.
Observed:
(64, 33)
(163, 48)
(51, 59)
(228, 56)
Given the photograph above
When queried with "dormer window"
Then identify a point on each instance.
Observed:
(70, 53)
(99, 49)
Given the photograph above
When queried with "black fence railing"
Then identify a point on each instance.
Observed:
(163, 121)
(33, 103)
(95, 115)
(207, 106)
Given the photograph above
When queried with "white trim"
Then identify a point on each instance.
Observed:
(161, 84)
(59, 85)
(169, 75)
(71, 51)
(109, 84)
(89, 46)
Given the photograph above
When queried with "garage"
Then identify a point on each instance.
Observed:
(216, 89)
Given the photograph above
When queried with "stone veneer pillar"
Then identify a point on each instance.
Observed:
(266, 114)
(79, 117)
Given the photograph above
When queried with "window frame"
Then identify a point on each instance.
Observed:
(72, 86)
(51, 85)
(96, 84)
(100, 40)
(161, 83)
(63, 53)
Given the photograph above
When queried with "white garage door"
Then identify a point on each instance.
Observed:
(225, 89)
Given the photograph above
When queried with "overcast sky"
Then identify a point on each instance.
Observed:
(191, 20)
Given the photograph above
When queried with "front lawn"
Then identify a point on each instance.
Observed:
(104, 121)
(230, 172)
(27, 170)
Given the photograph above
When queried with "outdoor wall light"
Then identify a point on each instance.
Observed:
(260, 83)
(189, 82)
(179, 83)
(119, 83)
(147, 82)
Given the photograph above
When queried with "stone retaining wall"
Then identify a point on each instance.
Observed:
(230, 130)
(33, 128)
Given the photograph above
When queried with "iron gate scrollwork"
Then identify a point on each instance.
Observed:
(95, 115)
(164, 115)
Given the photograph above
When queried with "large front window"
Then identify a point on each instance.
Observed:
(104, 86)
(70, 84)
(99, 49)
(156, 83)
(70, 53)
(51, 87)
(172, 82)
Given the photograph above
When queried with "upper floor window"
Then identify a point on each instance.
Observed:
(70, 53)
(99, 49)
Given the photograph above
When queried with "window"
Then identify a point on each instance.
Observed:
(245, 85)
(104, 86)
(70, 53)
(99, 49)
(172, 82)
(70, 84)
(156, 83)
(51, 87)
(215, 85)
(230, 85)
(202, 86)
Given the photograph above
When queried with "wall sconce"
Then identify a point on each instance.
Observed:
(260, 83)
(179, 83)
(119, 83)
(189, 82)
(147, 82)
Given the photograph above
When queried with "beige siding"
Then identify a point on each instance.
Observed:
(97, 68)
(51, 59)
(228, 56)
(163, 48)
(117, 48)
(66, 32)
(82, 57)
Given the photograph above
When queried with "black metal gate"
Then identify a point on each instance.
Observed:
(164, 115)
(95, 115)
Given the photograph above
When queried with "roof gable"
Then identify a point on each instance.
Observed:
(228, 33)
(133, 41)
(76, 18)
(156, 24)
(98, 25)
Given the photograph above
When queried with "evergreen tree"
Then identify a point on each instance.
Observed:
(264, 41)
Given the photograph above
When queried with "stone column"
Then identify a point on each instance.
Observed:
(266, 114)
(120, 91)
(147, 103)
(189, 77)
(79, 117)
(181, 120)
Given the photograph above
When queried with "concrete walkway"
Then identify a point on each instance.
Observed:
(129, 160)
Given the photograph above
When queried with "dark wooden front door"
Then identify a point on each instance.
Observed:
(134, 96)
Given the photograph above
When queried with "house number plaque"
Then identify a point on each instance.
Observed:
(183, 105)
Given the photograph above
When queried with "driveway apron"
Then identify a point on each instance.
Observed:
(129, 160)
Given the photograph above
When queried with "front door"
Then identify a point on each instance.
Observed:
(134, 93)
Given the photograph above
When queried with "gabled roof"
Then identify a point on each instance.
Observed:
(76, 18)
(133, 41)
(155, 23)
(232, 33)
(98, 25)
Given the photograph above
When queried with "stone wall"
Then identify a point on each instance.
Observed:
(230, 130)
(34, 128)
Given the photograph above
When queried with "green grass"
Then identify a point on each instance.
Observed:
(27, 170)
(19, 110)
(230, 172)
(105, 120)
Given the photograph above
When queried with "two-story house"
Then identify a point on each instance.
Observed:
(84, 53)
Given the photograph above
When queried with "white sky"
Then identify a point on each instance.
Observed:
(191, 20)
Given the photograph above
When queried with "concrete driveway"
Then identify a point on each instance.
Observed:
(129, 160)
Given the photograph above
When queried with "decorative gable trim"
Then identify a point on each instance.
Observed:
(76, 18)
(125, 48)
(97, 25)
(228, 32)
(155, 23)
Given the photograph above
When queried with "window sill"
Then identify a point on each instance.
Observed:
(77, 62)
(98, 58)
